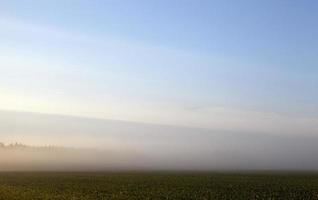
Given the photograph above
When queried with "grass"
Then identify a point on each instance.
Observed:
(140, 186)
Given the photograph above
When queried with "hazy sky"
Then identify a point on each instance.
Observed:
(229, 65)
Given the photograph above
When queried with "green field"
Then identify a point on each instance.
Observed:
(71, 186)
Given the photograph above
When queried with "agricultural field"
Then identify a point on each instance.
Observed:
(139, 186)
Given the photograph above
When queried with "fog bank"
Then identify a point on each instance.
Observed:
(94, 144)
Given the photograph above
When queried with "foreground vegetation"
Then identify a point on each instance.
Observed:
(139, 186)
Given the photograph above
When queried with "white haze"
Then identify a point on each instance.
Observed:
(94, 144)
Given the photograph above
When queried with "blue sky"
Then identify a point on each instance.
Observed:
(243, 65)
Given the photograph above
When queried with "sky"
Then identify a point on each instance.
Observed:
(244, 66)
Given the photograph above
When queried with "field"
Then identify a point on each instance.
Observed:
(139, 186)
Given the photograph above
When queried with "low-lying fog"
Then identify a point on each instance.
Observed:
(92, 144)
